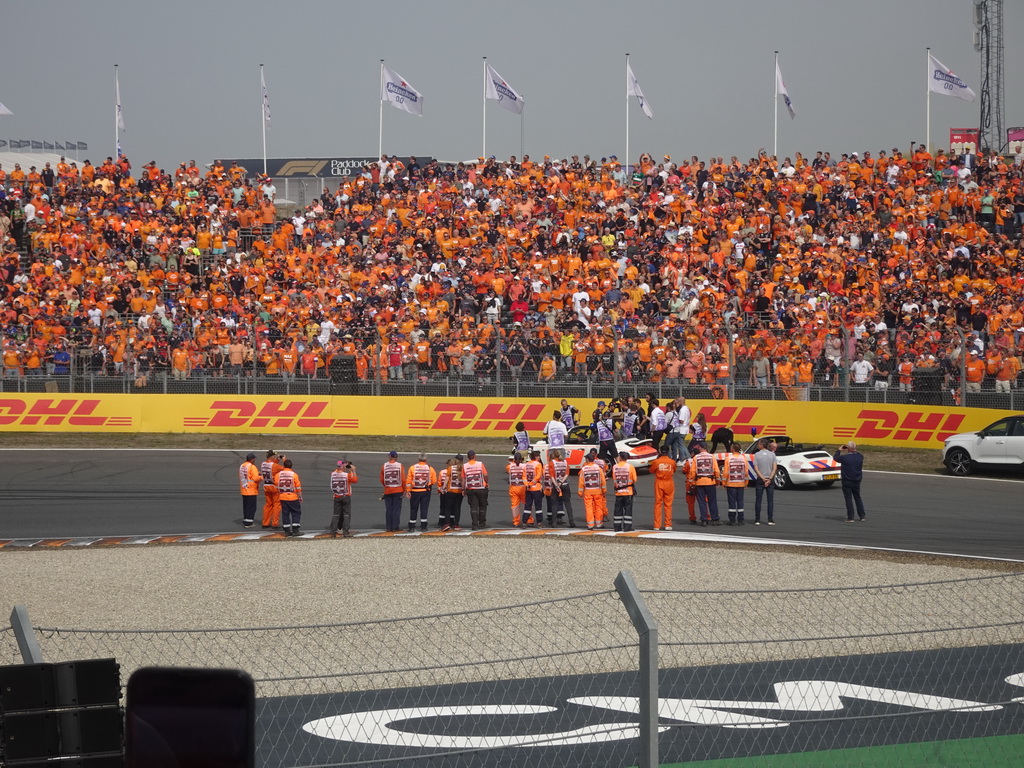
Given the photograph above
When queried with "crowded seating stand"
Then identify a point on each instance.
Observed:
(876, 277)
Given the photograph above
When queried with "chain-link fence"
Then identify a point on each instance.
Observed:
(742, 675)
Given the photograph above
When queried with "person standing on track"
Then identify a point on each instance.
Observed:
(418, 482)
(342, 480)
(624, 483)
(534, 478)
(705, 475)
(851, 473)
(766, 464)
(290, 486)
(605, 433)
(603, 501)
(569, 414)
(476, 490)
(269, 469)
(659, 422)
(735, 478)
(592, 489)
(520, 440)
(249, 479)
(392, 477)
(558, 470)
(516, 487)
(456, 492)
(663, 468)
(555, 431)
(443, 481)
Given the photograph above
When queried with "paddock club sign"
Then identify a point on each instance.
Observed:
(312, 167)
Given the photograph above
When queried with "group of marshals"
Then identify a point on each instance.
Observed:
(533, 486)
(282, 492)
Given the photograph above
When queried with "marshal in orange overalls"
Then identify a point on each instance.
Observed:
(592, 489)
(663, 468)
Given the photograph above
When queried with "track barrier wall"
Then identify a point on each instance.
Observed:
(912, 426)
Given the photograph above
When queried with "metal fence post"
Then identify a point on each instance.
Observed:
(26, 636)
(730, 359)
(846, 360)
(963, 366)
(498, 392)
(647, 630)
(615, 361)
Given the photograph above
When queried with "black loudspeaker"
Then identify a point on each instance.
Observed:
(343, 369)
(27, 687)
(88, 683)
(70, 710)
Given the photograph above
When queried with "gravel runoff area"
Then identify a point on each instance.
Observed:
(363, 582)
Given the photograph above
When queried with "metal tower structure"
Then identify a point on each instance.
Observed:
(988, 41)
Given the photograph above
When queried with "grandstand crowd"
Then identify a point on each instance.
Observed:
(760, 273)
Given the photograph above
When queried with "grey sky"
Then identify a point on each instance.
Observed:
(189, 75)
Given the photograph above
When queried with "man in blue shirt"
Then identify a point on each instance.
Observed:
(852, 472)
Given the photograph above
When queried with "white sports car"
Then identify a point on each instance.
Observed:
(581, 439)
(799, 464)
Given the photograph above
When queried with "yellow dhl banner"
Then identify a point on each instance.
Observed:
(871, 424)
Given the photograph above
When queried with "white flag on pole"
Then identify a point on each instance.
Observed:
(780, 90)
(502, 92)
(942, 80)
(266, 101)
(633, 89)
(4, 110)
(117, 98)
(398, 93)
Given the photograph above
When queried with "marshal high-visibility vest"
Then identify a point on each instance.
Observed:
(592, 479)
(391, 477)
(534, 473)
(559, 470)
(476, 475)
(516, 475)
(623, 479)
(341, 482)
(703, 469)
(289, 485)
(735, 470)
(421, 476)
(267, 471)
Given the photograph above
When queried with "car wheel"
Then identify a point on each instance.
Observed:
(781, 479)
(958, 461)
(826, 483)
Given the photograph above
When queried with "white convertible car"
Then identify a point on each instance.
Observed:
(581, 439)
(799, 464)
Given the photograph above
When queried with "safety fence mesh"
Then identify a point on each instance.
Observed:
(9, 653)
(749, 678)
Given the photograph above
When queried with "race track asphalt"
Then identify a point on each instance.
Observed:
(81, 493)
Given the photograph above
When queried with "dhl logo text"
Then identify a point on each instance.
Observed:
(739, 419)
(499, 417)
(919, 426)
(278, 414)
(56, 412)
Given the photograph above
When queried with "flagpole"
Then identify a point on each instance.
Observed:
(483, 150)
(522, 133)
(117, 121)
(625, 160)
(928, 107)
(380, 124)
(775, 102)
(263, 117)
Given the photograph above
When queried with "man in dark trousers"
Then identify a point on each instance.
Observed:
(852, 463)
